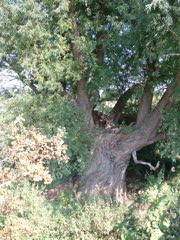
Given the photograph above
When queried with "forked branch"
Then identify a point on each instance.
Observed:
(144, 163)
(153, 121)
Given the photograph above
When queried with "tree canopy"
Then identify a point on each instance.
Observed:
(120, 42)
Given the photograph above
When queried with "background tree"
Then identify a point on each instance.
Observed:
(91, 51)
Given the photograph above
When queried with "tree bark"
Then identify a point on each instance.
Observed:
(169, 92)
(118, 108)
(105, 174)
(84, 103)
(146, 101)
(145, 104)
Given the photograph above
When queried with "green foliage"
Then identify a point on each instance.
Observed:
(35, 46)
(139, 41)
(26, 214)
(37, 35)
(171, 146)
(92, 220)
(127, 129)
(155, 213)
(49, 115)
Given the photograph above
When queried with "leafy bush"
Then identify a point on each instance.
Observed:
(155, 213)
(28, 153)
(91, 220)
(24, 213)
(171, 147)
(49, 114)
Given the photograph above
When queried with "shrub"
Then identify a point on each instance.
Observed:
(28, 153)
(48, 114)
(24, 213)
(91, 220)
(155, 213)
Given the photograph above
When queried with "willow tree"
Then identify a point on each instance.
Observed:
(91, 51)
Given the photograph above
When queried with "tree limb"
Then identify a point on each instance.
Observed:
(169, 92)
(144, 163)
(145, 104)
(116, 112)
(82, 95)
(146, 100)
(153, 121)
(158, 137)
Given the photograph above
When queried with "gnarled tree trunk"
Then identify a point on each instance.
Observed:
(105, 175)
(107, 169)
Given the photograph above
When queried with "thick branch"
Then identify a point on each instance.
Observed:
(116, 112)
(158, 137)
(146, 100)
(145, 104)
(144, 163)
(84, 103)
(153, 121)
(169, 92)
(82, 96)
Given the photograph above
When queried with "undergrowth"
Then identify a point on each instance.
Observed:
(25, 214)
